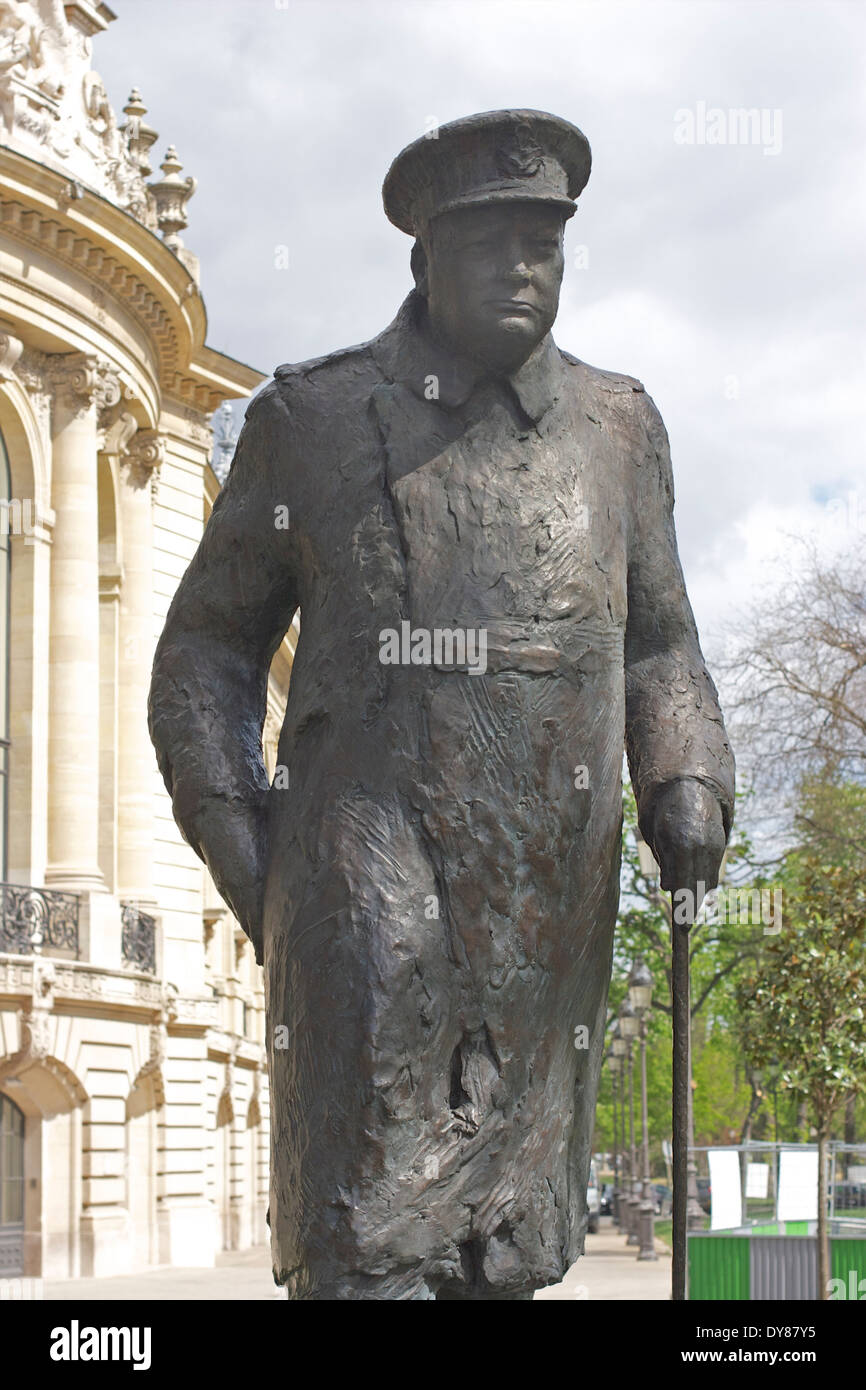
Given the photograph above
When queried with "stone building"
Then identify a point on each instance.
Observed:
(133, 1089)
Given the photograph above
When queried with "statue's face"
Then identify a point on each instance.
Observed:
(492, 280)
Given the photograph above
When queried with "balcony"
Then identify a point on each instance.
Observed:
(33, 920)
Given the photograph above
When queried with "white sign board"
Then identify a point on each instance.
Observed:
(856, 1172)
(726, 1210)
(757, 1179)
(798, 1185)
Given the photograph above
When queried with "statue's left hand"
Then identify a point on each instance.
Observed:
(688, 836)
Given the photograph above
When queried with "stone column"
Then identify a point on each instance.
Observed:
(29, 624)
(135, 753)
(82, 383)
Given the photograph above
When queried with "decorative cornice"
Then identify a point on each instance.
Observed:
(71, 248)
(68, 246)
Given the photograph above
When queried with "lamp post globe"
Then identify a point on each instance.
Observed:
(640, 988)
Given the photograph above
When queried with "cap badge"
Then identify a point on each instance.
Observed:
(520, 155)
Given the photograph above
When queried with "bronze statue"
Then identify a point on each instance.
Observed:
(482, 548)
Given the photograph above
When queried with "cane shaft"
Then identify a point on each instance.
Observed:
(681, 1069)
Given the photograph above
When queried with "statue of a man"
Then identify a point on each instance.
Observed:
(482, 549)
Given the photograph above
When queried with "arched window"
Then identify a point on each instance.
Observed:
(11, 1189)
(5, 562)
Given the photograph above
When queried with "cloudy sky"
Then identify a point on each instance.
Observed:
(725, 273)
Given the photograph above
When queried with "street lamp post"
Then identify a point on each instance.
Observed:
(619, 1048)
(640, 989)
(629, 1026)
(614, 1065)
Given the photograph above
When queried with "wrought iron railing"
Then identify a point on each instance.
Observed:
(138, 939)
(33, 920)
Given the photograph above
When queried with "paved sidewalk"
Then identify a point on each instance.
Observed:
(608, 1271)
(240, 1275)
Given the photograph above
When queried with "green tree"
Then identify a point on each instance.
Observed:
(803, 1009)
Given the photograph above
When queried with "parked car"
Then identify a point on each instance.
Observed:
(606, 1206)
(593, 1200)
(705, 1194)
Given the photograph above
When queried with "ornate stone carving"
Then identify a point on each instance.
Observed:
(82, 380)
(36, 1022)
(170, 1003)
(145, 457)
(10, 351)
(69, 195)
(156, 1060)
(30, 370)
(225, 439)
(199, 428)
(111, 987)
(152, 1069)
(171, 194)
(117, 435)
(37, 1034)
(139, 135)
(54, 107)
(228, 1090)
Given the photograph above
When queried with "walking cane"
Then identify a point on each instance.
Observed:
(684, 906)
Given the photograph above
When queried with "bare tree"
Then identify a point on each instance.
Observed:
(795, 678)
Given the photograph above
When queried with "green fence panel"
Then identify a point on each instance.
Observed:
(719, 1267)
(848, 1263)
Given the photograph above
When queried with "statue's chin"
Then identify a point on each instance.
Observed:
(509, 347)
(500, 343)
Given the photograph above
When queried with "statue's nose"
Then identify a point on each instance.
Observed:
(517, 273)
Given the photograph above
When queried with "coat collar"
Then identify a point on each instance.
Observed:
(407, 353)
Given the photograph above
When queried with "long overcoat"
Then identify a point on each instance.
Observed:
(443, 865)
